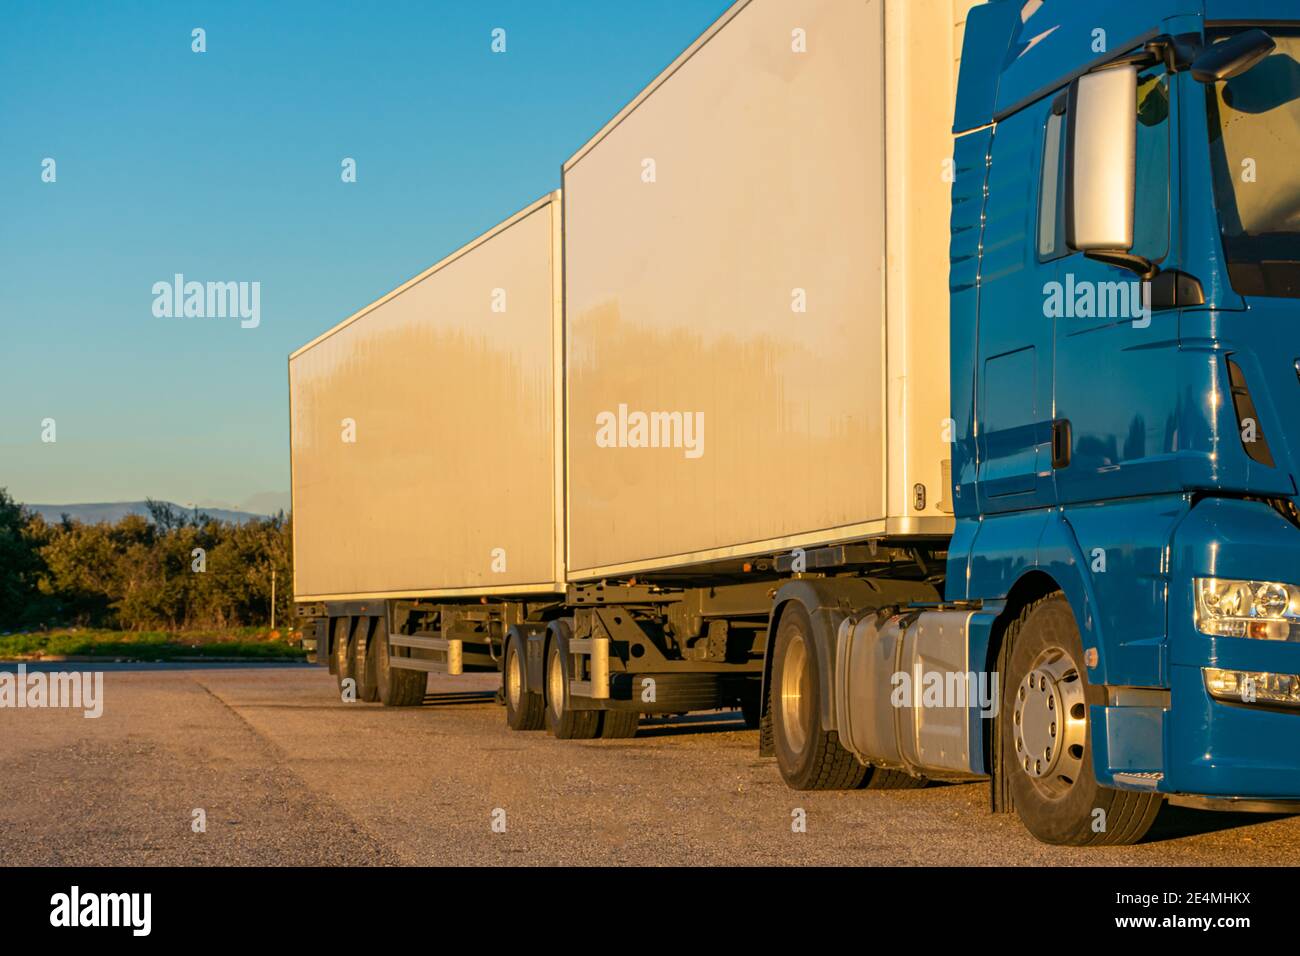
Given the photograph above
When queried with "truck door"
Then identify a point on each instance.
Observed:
(1014, 355)
(1115, 376)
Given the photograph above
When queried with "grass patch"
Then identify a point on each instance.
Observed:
(249, 643)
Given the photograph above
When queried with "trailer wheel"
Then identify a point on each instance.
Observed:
(619, 724)
(342, 649)
(810, 758)
(524, 708)
(1046, 754)
(563, 722)
(398, 686)
(363, 660)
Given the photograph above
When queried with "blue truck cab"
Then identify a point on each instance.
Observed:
(1125, 355)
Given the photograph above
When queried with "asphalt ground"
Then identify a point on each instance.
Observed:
(285, 772)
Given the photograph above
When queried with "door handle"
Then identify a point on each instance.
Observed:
(1061, 442)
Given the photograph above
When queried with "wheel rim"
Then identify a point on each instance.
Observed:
(514, 679)
(1050, 723)
(794, 716)
(555, 685)
(341, 649)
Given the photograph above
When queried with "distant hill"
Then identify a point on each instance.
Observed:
(114, 511)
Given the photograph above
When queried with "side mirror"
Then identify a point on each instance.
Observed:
(1232, 57)
(1101, 162)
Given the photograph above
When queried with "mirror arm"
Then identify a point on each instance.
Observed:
(1178, 52)
(1175, 52)
(1144, 267)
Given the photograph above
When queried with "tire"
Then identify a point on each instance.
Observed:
(363, 660)
(619, 724)
(766, 737)
(397, 686)
(342, 651)
(810, 758)
(525, 710)
(563, 722)
(1044, 737)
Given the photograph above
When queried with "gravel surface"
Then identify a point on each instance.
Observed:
(286, 773)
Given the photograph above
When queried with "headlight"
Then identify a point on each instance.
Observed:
(1260, 609)
(1253, 687)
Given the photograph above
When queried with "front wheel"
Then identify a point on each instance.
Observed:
(1046, 752)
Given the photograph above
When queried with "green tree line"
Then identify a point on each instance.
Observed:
(172, 571)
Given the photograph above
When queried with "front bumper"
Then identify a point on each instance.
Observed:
(1199, 746)
(1217, 748)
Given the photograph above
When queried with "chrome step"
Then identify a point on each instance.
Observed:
(1146, 779)
(453, 648)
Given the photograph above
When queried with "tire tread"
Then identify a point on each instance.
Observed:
(619, 724)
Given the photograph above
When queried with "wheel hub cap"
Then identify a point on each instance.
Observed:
(1038, 707)
(794, 719)
(513, 681)
(1049, 722)
(555, 685)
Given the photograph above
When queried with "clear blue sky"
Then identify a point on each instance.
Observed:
(225, 165)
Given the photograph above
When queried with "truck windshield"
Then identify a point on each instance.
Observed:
(1255, 141)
